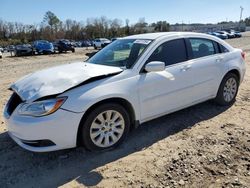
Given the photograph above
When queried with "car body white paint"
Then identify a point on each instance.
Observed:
(187, 83)
(99, 43)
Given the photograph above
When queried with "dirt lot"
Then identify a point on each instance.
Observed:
(202, 146)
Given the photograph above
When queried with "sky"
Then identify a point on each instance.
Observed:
(172, 11)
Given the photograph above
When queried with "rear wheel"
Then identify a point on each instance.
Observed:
(228, 90)
(105, 127)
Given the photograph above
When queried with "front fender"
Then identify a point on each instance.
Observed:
(80, 99)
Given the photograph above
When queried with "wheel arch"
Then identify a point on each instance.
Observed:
(123, 102)
(234, 71)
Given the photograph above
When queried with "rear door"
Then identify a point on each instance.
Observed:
(207, 66)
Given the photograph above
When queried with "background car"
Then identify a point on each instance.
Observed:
(23, 49)
(10, 48)
(85, 43)
(63, 45)
(236, 34)
(101, 43)
(43, 47)
(219, 35)
(230, 35)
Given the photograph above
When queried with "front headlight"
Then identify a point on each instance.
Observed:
(41, 108)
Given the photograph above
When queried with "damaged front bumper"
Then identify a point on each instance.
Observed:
(43, 134)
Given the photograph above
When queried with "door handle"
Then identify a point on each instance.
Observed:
(219, 59)
(185, 67)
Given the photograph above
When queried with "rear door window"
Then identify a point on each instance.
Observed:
(170, 52)
(202, 47)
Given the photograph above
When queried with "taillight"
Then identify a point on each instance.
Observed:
(243, 54)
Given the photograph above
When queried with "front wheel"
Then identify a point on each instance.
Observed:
(105, 127)
(228, 90)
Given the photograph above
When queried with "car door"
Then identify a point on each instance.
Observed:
(168, 90)
(207, 67)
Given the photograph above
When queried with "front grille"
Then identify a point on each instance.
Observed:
(13, 102)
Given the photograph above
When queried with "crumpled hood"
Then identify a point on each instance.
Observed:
(56, 80)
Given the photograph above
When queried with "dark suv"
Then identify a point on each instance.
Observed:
(63, 45)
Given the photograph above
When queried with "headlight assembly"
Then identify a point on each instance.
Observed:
(41, 108)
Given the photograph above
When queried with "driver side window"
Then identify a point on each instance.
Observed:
(170, 52)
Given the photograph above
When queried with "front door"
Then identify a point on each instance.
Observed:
(165, 91)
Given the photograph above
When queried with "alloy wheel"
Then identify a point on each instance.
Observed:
(230, 89)
(107, 128)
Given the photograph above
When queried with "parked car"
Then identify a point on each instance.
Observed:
(43, 47)
(73, 43)
(10, 48)
(236, 34)
(85, 43)
(78, 44)
(63, 45)
(230, 35)
(219, 35)
(23, 49)
(129, 82)
(101, 43)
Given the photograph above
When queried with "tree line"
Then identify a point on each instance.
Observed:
(52, 28)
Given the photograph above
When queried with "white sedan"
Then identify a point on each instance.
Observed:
(101, 43)
(131, 81)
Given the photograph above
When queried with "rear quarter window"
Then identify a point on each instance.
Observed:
(223, 49)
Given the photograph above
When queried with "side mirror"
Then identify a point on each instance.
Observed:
(155, 66)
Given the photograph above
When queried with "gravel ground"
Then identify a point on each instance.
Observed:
(202, 146)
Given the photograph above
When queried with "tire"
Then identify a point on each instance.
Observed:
(93, 130)
(225, 95)
(95, 47)
(73, 50)
(16, 54)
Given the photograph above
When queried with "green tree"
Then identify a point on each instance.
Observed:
(247, 21)
(161, 26)
(52, 20)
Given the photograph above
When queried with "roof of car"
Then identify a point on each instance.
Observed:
(153, 36)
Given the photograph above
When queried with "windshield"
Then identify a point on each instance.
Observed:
(120, 53)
